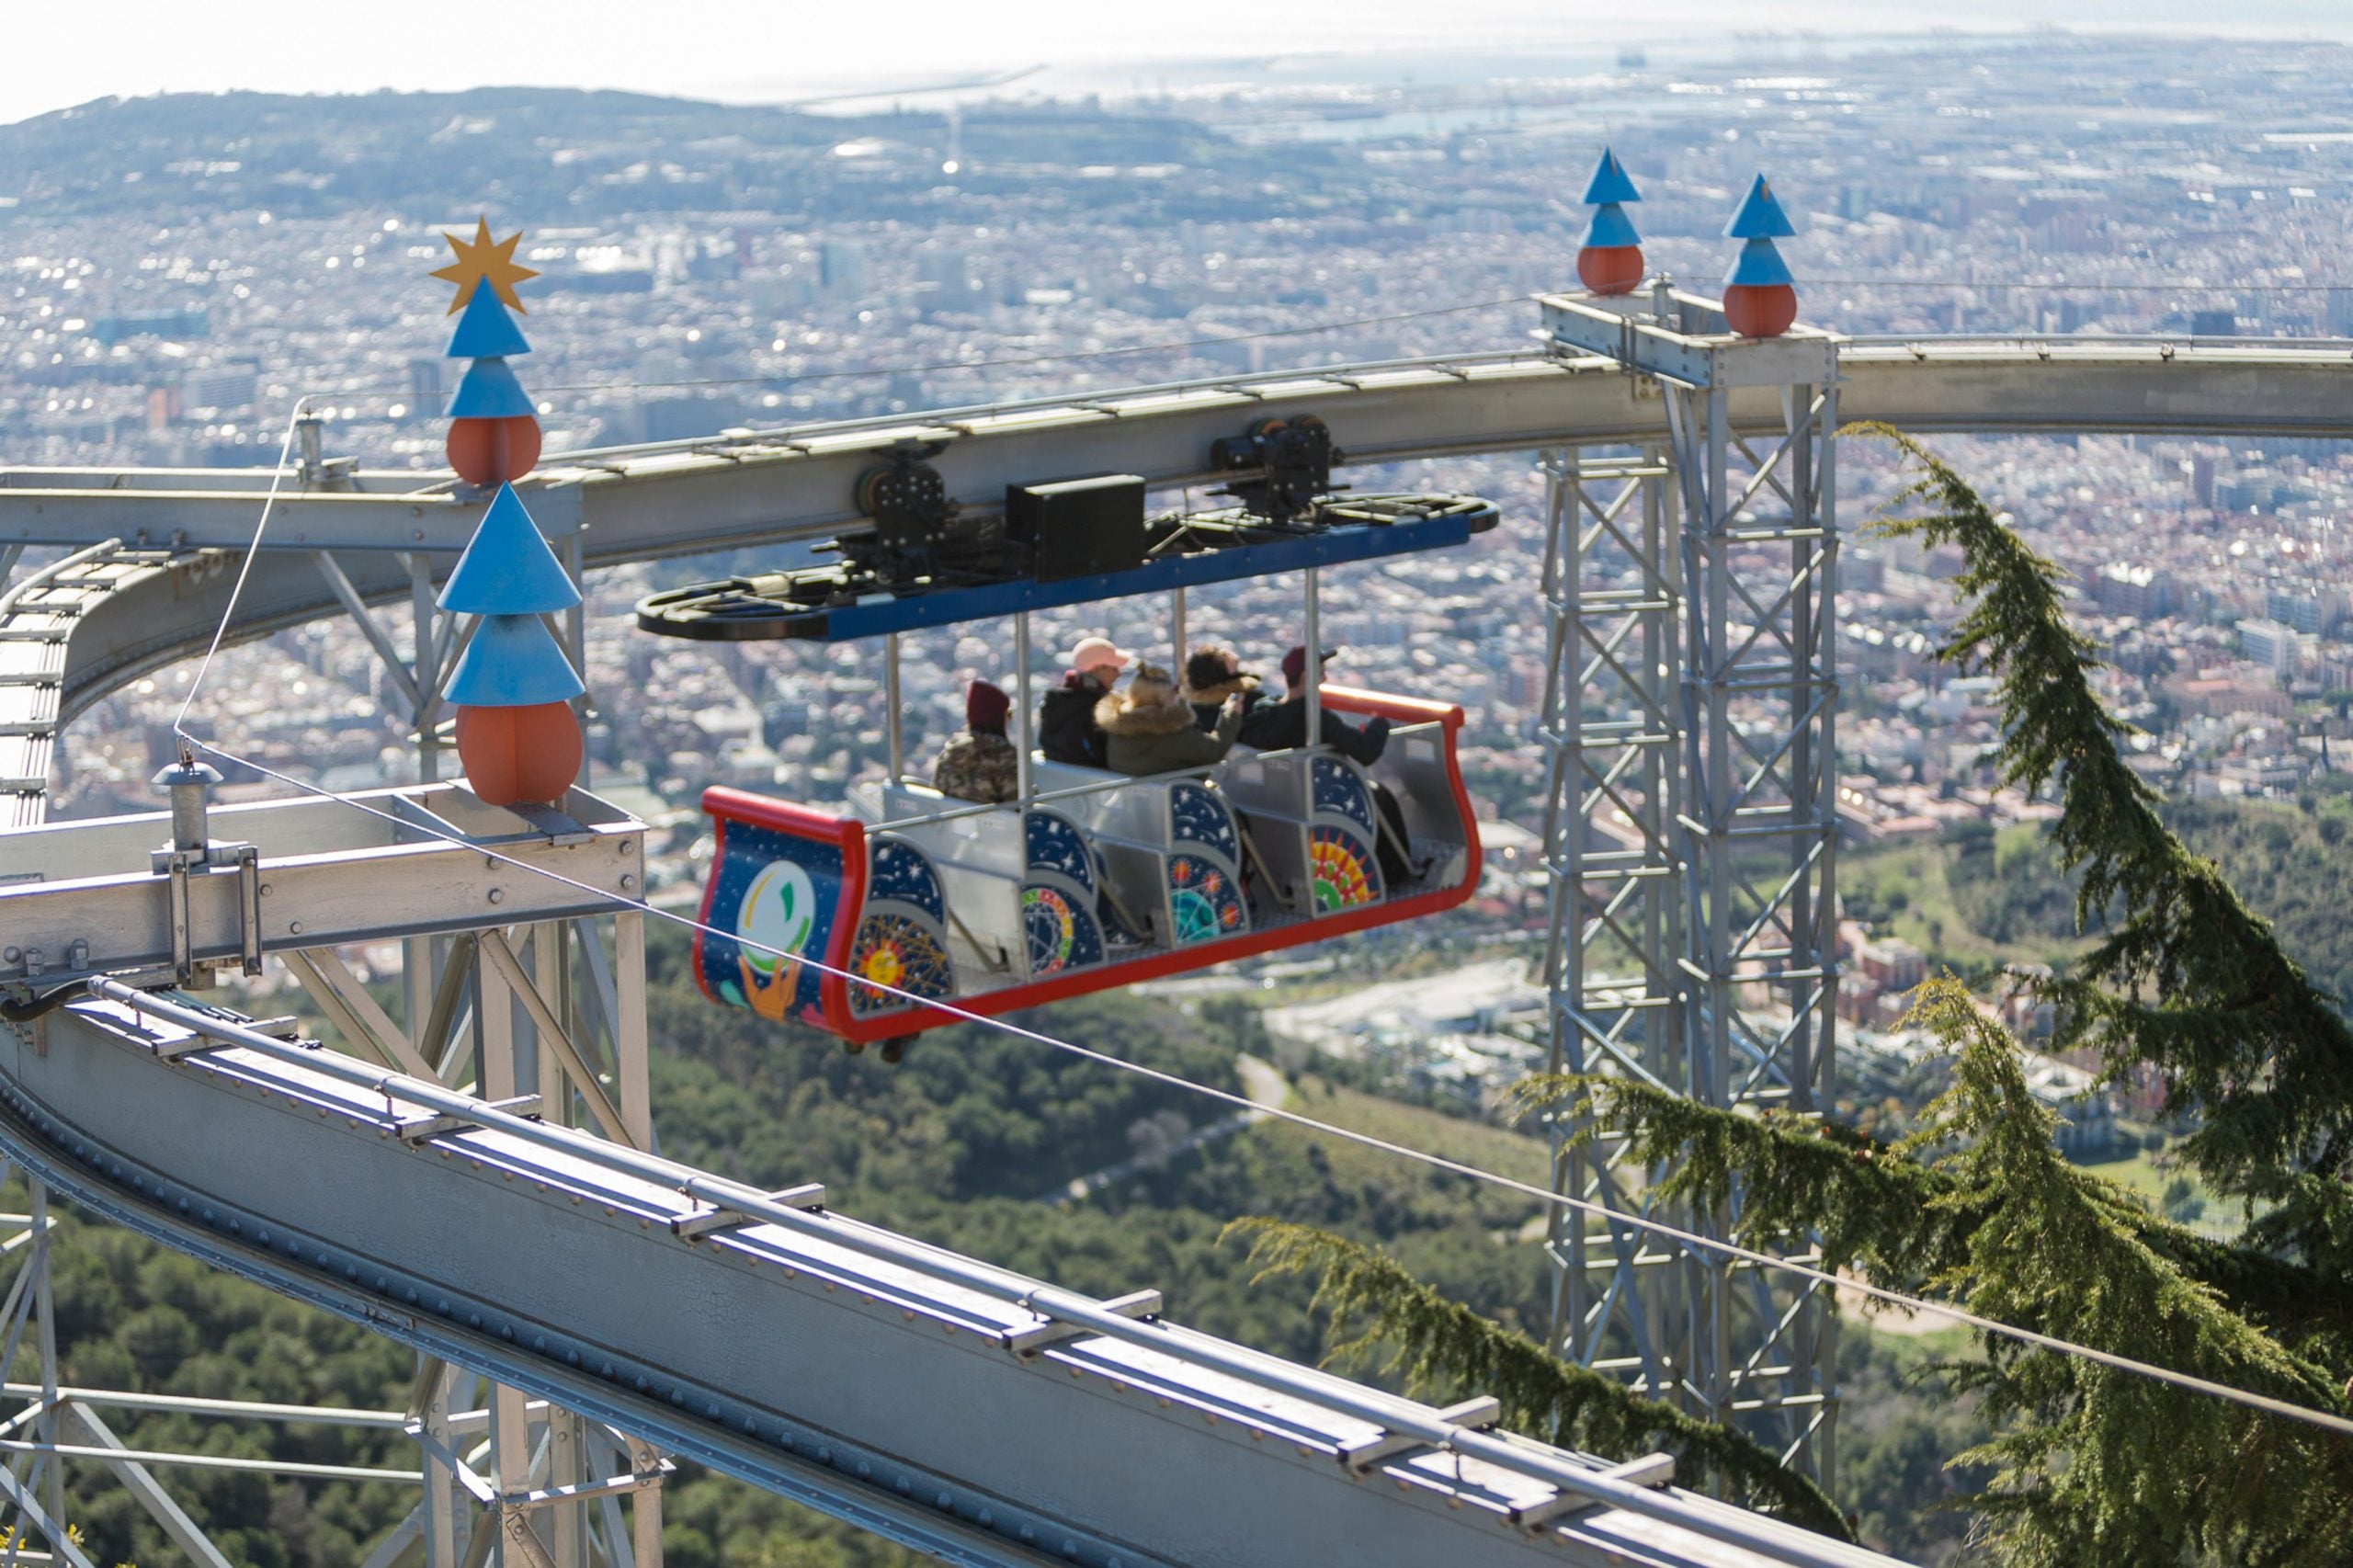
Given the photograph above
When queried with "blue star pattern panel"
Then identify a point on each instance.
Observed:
(1058, 898)
(780, 894)
(1196, 815)
(1340, 789)
(1056, 846)
(900, 873)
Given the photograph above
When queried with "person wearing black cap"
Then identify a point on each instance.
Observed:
(979, 763)
(1280, 726)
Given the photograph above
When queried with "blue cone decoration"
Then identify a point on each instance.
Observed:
(513, 662)
(1760, 217)
(1611, 227)
(489, 391)
(1609, 184)
(508, 568)
(1758, 264)
(485, 330)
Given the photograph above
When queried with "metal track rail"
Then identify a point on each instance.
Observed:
(792, 484)
(957, 1407)
(39, 616)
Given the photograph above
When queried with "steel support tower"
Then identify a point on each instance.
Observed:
(1690, 833)
(550, 1011)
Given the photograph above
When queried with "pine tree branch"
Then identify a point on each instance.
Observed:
(1863, 1203)
(1884, 1210)
(2096, 1464)
(2188, 978)
(1440, 1344)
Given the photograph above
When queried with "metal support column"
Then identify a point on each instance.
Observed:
(1610, 598)
(1691, 832)
(1758, 840)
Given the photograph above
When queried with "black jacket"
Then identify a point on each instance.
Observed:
(1067, 732)
(1279, 726)
(1209, 699)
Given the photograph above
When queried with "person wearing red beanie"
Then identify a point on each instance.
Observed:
(978, 762)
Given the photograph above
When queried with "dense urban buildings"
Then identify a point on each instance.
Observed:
(709, 268)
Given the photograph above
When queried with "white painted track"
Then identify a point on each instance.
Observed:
(774, 487)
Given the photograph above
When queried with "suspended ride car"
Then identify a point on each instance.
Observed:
(853, 919)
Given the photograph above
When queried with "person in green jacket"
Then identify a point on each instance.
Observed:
(1150, 727)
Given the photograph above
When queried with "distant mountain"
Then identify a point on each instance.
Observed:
(545, 152)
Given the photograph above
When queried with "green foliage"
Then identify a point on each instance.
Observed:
(131, 1315)
(2093, 1464)
(2186, 977)
(1899, 1424)
(1865, 1203)
(2006, 884)
(2087, 1463)
(2287, 862)
(1440, 1344)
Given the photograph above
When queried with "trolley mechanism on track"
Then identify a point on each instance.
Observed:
(928, 559)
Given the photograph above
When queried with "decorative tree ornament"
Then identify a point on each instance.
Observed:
(1609, 258)
(513, 686)
(483, 260)
(485, 330)
(1760, 296)
(493, 426)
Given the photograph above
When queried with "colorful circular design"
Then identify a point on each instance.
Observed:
(1202, 900)
(1053, 931)
(779, 911)
(901, 953)
(1337, 871)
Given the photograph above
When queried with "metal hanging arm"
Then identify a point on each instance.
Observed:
(891, 706)
(1313, 670)
(1022, 720)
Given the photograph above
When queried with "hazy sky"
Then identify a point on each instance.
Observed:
(775, 50)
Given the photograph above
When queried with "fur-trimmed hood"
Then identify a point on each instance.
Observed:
(1118, 717)
(1209, 695)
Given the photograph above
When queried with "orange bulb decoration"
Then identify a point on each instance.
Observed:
(493, 451)
(1760, 310)
(516, 755)
(1610, 269)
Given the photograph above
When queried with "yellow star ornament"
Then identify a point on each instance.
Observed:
(485, 260)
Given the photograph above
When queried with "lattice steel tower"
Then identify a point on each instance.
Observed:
(1691, 832)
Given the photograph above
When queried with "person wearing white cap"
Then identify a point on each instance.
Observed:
(1067, 732)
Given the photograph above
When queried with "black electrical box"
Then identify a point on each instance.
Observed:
(1079, 528)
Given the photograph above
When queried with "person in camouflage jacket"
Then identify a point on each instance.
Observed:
(979, 763)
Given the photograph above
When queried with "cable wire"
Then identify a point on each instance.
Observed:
(1613, 1217)
(252, 553)
(1731, 1250)
(1011, 362)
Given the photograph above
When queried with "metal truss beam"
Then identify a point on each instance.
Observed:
(1692, 834)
